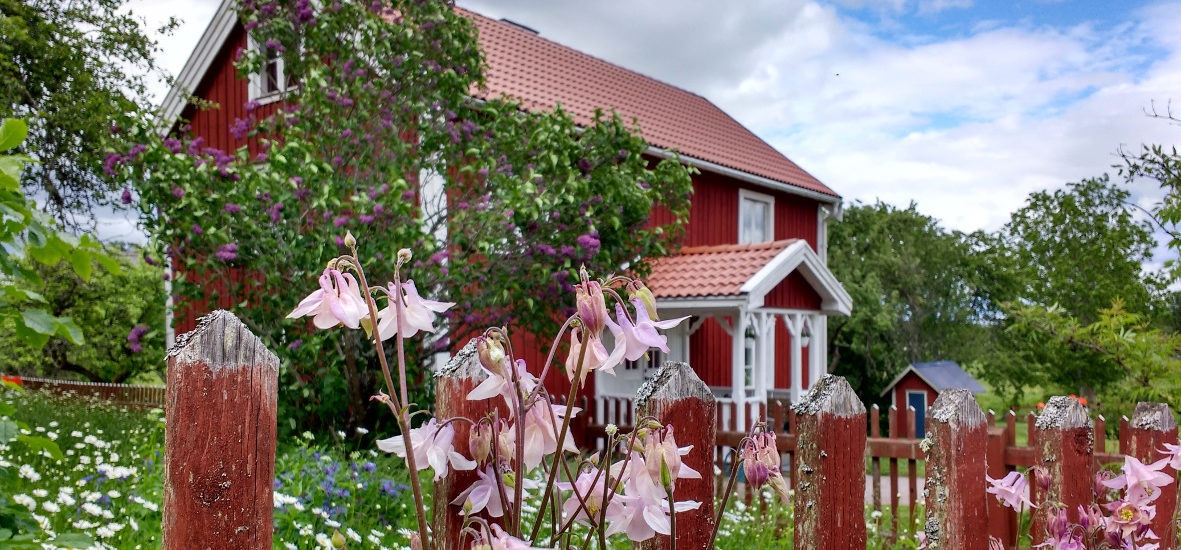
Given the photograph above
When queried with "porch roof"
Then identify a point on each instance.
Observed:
(742, 275)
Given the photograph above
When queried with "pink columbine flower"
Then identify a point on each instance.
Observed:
(432, 448)
(1062, 535)
(1130, 520)
(596, 353)
(500, 540)
(592, 307)
(338, 301)
(1143, 481)
(1173, 452)
(643, 335)
(760, 463)
(484, 494)
(592, 492)
(662, 456)
(417, 313)
(1011, 490)
(643, 510)
(541, 432)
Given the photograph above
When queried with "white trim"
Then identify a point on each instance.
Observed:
(198, 64)
(254, 80)
(768, 222)
(909, 368)
(698, 303)
(834, 298)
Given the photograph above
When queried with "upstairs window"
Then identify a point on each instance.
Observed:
(269, 84)
(756, 217)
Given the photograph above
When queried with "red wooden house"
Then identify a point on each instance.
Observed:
(921, 383)
(752, 271)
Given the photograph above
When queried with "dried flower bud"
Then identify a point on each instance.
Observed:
(404, 256)
(349, 240)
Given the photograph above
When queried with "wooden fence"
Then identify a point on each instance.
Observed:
(222, 385)
(123, 395)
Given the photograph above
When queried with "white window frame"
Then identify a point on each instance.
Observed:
(768, 224)
(254, 86)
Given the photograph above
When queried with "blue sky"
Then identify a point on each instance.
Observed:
(964, 106)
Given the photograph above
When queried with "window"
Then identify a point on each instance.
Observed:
(269, 84)
(756, 216)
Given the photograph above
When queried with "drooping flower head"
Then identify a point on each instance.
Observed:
(662, 456)
(642, 335)
(761, 464)
(592, 307)
(417, 313)
(432, 446)
(1143, 481)
(338, 301)
(1011, 490)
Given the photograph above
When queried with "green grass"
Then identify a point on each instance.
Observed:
(109, 483)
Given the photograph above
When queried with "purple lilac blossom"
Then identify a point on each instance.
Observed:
(126, 198)
(227, 252)
(178, 192)
(232, 208)
(196, 229)
(173, 145)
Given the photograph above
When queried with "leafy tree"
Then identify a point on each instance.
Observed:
(921, 292)
(1080, 250)
(122, 315)
(377, 124)
(72, 69)
(26, 233)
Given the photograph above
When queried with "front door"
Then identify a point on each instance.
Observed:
(918, 400)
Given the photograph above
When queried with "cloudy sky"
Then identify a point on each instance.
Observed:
(963, 106)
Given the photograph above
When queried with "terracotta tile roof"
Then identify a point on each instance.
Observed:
(540, 74)
(704, 271)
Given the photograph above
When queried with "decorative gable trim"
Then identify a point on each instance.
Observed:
(799, 256)
(198, 64)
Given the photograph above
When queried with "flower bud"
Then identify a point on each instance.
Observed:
(506, 441)
(1042, 478)
(338, 540)
(636, 289)
(760, 459)
(592, 307)
(415, 541)
(404, 256)
(491, 354)
(349, 240)
(480, 442)
(661, 456)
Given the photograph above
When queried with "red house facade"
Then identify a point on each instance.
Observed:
(752, 271)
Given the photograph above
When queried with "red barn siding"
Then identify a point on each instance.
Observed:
(710, 354)
(912, 382)
(794, 292)
(782, 356)
(713, 217)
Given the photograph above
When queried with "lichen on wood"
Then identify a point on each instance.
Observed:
(833, 395)
(674, 380)
(1064, 412)
(1153, 416)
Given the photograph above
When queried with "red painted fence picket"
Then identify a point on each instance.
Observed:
(956, 453)
(219, 441)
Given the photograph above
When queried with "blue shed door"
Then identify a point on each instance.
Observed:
(918, 400)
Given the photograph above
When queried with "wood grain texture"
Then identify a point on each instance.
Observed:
(677, 397)
(956, 448)
(1064, 445)
(1152, 426)
(219, 441)
(830, 502)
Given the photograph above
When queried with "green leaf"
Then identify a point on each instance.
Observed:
(39, 321)
(80, 261)
(12, 133)
(10, 171)
(8, 430)
(73, 540)
(68, 329)
(6, 409)
(110, 264)
(38, 444)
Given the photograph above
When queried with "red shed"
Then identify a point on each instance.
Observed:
(921, 383)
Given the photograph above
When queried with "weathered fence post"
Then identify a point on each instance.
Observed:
(1152, 426)
(677, 396)
(1064, 447)
(219, 441)
(830, 496)
(1000, 519)
(452, 384)
(957, 516)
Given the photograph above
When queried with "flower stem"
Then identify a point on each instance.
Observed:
(735, 463)
(398, 407)
(672, 519)
(549, 484)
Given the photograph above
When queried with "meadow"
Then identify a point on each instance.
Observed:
(106, 491)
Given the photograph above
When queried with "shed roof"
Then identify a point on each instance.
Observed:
(941, 375)
(542, 74)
